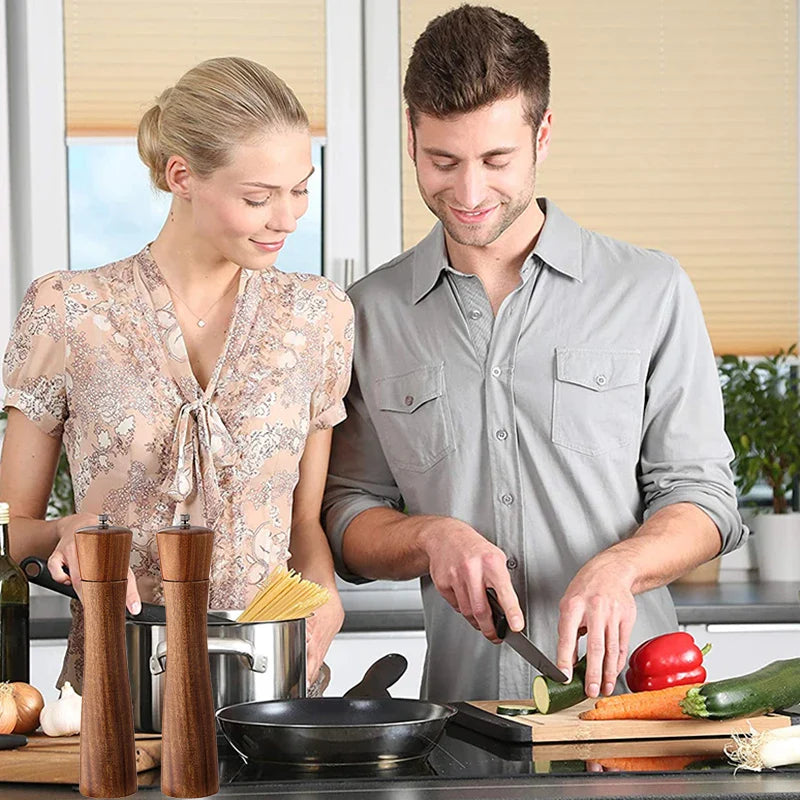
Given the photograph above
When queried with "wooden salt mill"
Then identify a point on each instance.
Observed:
(108, 751)
(189, 748)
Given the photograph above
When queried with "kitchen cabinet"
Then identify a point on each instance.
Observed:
(47, 656)
(737, 649)
(351, 654)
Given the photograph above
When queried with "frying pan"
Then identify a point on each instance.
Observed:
(327, 731)
(37, 572)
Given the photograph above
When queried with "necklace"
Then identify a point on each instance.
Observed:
(201, 320)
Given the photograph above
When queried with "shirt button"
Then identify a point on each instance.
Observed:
(601, 380)
(475, 314)
(512, 563)
(508, 499)
(502, 434)
(409, 399)
(496, 372)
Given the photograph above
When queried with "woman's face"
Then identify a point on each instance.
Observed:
(246, 209)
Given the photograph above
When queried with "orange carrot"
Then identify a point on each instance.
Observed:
(658, 704)
(646, 763)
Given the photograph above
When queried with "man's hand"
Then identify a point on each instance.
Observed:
(598, 602)
(463, 564)
(63, 561)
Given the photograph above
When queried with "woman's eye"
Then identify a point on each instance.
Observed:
(300, 192)
(256, 203)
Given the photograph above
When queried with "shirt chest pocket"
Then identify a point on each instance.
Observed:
(414, 419)
(596, 399)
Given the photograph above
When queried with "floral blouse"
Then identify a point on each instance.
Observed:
(97, 357)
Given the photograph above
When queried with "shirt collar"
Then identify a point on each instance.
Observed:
(558, 246)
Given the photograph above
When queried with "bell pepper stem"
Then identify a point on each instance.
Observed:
(706, 649)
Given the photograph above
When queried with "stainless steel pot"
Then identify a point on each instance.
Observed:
(249, 661)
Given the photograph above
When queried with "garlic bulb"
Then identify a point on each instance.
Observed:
(62, 717)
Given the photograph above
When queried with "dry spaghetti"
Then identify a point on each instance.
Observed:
(285, 595)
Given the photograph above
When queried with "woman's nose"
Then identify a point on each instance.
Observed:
(282, 217)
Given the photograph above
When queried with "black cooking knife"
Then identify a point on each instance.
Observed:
(38, 573)
(11, 741)
(521, 643)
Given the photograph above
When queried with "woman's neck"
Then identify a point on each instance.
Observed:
(187, 264)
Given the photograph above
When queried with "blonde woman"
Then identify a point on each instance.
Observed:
(192, 377)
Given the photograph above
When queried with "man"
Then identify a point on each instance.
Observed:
(543, 400)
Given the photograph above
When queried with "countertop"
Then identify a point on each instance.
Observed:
(399, 609)
(460, 768)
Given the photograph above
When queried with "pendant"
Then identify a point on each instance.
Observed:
(201, 323)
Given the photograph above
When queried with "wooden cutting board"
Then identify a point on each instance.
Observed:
(47, 759)
(565, 726)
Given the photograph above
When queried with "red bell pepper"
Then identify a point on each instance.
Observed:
(672, 659)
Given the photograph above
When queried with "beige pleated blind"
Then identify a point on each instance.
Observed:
(120, 55)
(675, 127)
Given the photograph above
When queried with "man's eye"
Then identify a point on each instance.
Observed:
(496, 165)
(443, 167)
(256, 203)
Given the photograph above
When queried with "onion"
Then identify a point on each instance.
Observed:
(8, 709)
(30, 703)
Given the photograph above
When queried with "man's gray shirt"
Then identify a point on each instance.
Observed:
(591, 401)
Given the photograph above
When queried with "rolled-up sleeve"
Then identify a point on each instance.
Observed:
(685, 454)
(358, 478)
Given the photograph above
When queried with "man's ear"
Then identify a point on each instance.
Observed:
(411, 143)
(178, 176)
(543, 136)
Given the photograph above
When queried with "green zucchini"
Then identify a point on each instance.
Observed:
(551, 696)
(772, 687)
(515, 709)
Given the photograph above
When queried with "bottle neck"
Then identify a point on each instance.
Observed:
(4, 546)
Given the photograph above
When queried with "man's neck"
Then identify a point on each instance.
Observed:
(504, 257)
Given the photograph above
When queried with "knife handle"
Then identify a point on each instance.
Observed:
(498, 615)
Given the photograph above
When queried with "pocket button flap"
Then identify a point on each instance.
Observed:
(598, 370)
(406, 393)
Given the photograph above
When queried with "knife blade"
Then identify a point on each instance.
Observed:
(521, 643)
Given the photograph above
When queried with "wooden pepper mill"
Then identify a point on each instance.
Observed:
(108, 751)
(189, 748)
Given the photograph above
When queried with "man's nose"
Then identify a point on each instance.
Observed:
(470, 188)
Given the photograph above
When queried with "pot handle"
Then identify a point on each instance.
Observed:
(216, 646)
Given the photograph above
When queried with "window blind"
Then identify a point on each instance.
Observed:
(120, 55)
(675, 127)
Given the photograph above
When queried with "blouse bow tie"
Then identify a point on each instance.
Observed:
(201, 444)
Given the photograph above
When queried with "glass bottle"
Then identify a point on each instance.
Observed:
(14, 606)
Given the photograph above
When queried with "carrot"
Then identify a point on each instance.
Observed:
(658, 704)
(646, 763)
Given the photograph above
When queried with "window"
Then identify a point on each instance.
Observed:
(119, 56)
(675, 127)
(114, 210)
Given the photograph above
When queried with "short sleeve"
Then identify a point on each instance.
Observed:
(327, 401)
(34, 363)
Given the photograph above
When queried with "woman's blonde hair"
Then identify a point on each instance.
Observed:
(216, 105)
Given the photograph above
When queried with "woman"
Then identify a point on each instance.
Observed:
(192, 377)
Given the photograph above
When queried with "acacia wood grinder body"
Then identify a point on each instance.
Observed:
(108, 751)
(189, 748)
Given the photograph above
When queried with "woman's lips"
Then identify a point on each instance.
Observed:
(470, 217)
(269, 247)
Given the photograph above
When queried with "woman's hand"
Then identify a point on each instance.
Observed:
(63, 561)
(321, 627)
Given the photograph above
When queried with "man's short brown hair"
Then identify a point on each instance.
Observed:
(473, 56)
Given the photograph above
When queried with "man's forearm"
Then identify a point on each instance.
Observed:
(382, 543)
(671, 542)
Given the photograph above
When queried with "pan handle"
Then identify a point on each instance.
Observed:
(37, 572)
(216, 646)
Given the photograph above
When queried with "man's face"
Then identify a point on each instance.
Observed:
(477, 171)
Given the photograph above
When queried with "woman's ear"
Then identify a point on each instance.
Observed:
(178, 176)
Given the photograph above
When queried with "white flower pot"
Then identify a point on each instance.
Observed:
(777, 540)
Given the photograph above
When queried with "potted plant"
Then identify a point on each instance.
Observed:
(62, 500)
(762, 420)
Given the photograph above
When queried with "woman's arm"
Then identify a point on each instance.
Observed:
(27, 466)
(311, 554)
